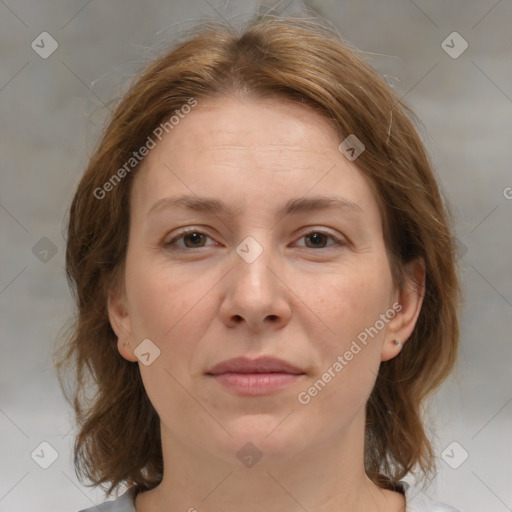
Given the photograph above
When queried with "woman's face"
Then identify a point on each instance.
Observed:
(269, 268)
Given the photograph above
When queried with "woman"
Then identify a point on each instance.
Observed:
(266, 283)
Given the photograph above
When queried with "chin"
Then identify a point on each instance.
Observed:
(260, 436)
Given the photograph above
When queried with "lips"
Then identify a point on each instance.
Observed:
(264, 364)
(255, 377)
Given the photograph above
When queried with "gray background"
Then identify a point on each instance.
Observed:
(52, 111)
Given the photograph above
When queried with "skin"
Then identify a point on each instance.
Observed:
(303, 299)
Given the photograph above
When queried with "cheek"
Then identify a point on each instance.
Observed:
(351, 306)
(352, 300)
(160, 297)
(173, 308)
(164, 306)
(349, 358)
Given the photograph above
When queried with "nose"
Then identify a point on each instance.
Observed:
(255, 293)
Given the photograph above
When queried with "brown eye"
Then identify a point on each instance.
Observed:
(192, 239)
(318, 240)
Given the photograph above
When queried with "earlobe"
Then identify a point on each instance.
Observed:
(121, 324)
(391, 349)
(410, 298)
(125, 350)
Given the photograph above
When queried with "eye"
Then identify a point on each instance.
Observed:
(192, 238)
(318, 239)
(195, 239)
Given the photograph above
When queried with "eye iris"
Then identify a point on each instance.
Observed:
(194, 237)
(316, 238)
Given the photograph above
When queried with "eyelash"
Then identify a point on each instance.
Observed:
(171, 245)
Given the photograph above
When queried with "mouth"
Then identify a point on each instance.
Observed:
(255, 377)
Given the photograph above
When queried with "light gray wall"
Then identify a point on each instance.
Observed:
(52, 110)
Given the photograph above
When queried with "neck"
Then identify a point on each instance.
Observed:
(325, 477)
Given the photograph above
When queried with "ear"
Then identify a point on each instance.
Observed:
(407, 304)
(121, 323)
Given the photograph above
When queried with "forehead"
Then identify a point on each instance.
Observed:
(264, 123)
(238, 149)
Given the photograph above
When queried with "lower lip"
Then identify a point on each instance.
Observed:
(255, 383)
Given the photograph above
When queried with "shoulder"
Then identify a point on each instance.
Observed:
(125, 503)
(417, 501)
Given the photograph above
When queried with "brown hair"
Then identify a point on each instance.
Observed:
(307, 62)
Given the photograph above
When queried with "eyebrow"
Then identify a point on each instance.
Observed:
(217, 207)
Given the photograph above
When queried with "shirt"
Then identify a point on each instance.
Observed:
(415, 501)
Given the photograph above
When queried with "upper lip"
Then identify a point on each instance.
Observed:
(264, 364)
